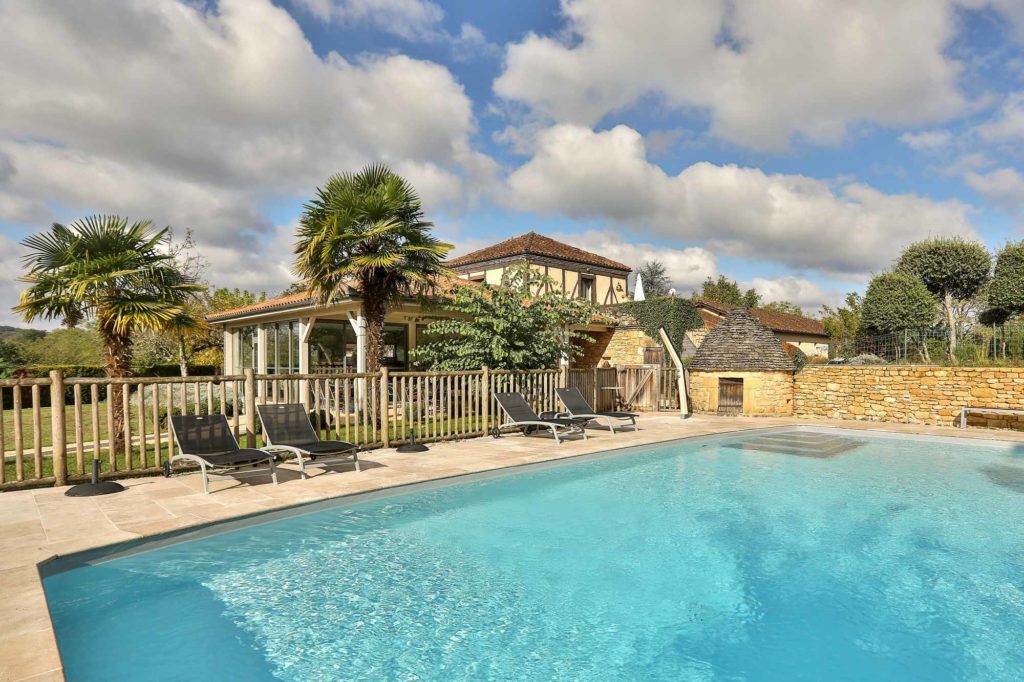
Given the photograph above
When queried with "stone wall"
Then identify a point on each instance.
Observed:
(909, 395)
(622, 346)
(764, 393)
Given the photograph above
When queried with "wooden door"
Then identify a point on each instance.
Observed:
(730, 396)
(654, 356)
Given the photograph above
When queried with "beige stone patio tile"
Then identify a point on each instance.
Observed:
(23, 607)
(27, 654)
(165, 525)
(52, 676)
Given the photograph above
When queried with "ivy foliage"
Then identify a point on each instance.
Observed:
(677, 315)
(1006, 292)
(895, 301)
(524, 323)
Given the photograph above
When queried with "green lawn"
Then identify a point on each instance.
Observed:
(354, 433)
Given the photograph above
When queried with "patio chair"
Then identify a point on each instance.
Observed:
(207, 440)
(286, 428)
(520, 414)
(577, 406)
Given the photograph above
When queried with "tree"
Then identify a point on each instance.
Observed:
(368, 229)
(505, 327)
(784, 307)
(656, 282)
(72, 346)
(727, 291)
(1007, 289)
(117, 275)
(895, 301)
(843, 323)
(953, 269)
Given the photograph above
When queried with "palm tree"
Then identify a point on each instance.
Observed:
(119, 276)
(367, 229)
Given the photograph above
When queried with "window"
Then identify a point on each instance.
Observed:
(586, 288)
(396, 346)
(478, 278)
(245, 348)
(283, 348)
(332, 347)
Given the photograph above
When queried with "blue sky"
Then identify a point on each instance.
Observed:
(794, 148)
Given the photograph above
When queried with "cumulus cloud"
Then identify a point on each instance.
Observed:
(764, 72)
(927, 140)
(1004, 186)
(848, 229)
(198, 115)
(409, 19)
(1007, 123)
(803, 292)
(686, 267)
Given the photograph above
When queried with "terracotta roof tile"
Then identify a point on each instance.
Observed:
(533, 244)
(300, 299)
(712, 314)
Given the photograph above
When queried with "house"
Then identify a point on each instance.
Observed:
(293, 334)
(577, 273)
(806, 334)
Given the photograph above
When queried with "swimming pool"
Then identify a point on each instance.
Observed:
(769, 555)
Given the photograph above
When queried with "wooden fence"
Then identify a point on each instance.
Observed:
(52, 428)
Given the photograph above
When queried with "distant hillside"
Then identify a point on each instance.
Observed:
(8, 333)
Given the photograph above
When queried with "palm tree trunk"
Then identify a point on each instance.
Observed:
(374, 310)
(117, 365)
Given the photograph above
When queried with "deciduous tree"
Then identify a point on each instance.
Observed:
(505, 327)
(953, 269)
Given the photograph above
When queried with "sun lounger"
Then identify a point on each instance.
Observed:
(286, 428)
(520, 414)
(207, 440)
(577, 406)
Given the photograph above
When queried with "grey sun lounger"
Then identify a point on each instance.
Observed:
(286, 428)
(577, 406)
(520, 414)
(207, 440)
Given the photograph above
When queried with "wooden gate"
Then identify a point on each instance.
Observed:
(730, 396)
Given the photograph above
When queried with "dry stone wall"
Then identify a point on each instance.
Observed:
(764, 393)
(909, 395)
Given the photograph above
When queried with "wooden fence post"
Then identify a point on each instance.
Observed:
(250, 407)
(58, 439)
(385, 426)
(485, 403)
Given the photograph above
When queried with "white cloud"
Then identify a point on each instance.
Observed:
(850, 229)
(687, 267)
(197, 118)
(927, 140)
(764, 71)
(1008, 122)
(802, 292)
(1004, 186)
(409, 19)
(10, 267)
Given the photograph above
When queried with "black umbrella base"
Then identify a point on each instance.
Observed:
(412, 447)
(93, 489)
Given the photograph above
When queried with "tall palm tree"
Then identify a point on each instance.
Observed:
(367, 229)
(120, 276)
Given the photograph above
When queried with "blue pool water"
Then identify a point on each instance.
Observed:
(722, 559)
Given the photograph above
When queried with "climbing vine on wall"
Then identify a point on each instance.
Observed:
(676, 315)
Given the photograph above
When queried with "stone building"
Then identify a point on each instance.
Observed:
(741, 368)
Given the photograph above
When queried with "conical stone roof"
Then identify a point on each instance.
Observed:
(741, 343)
